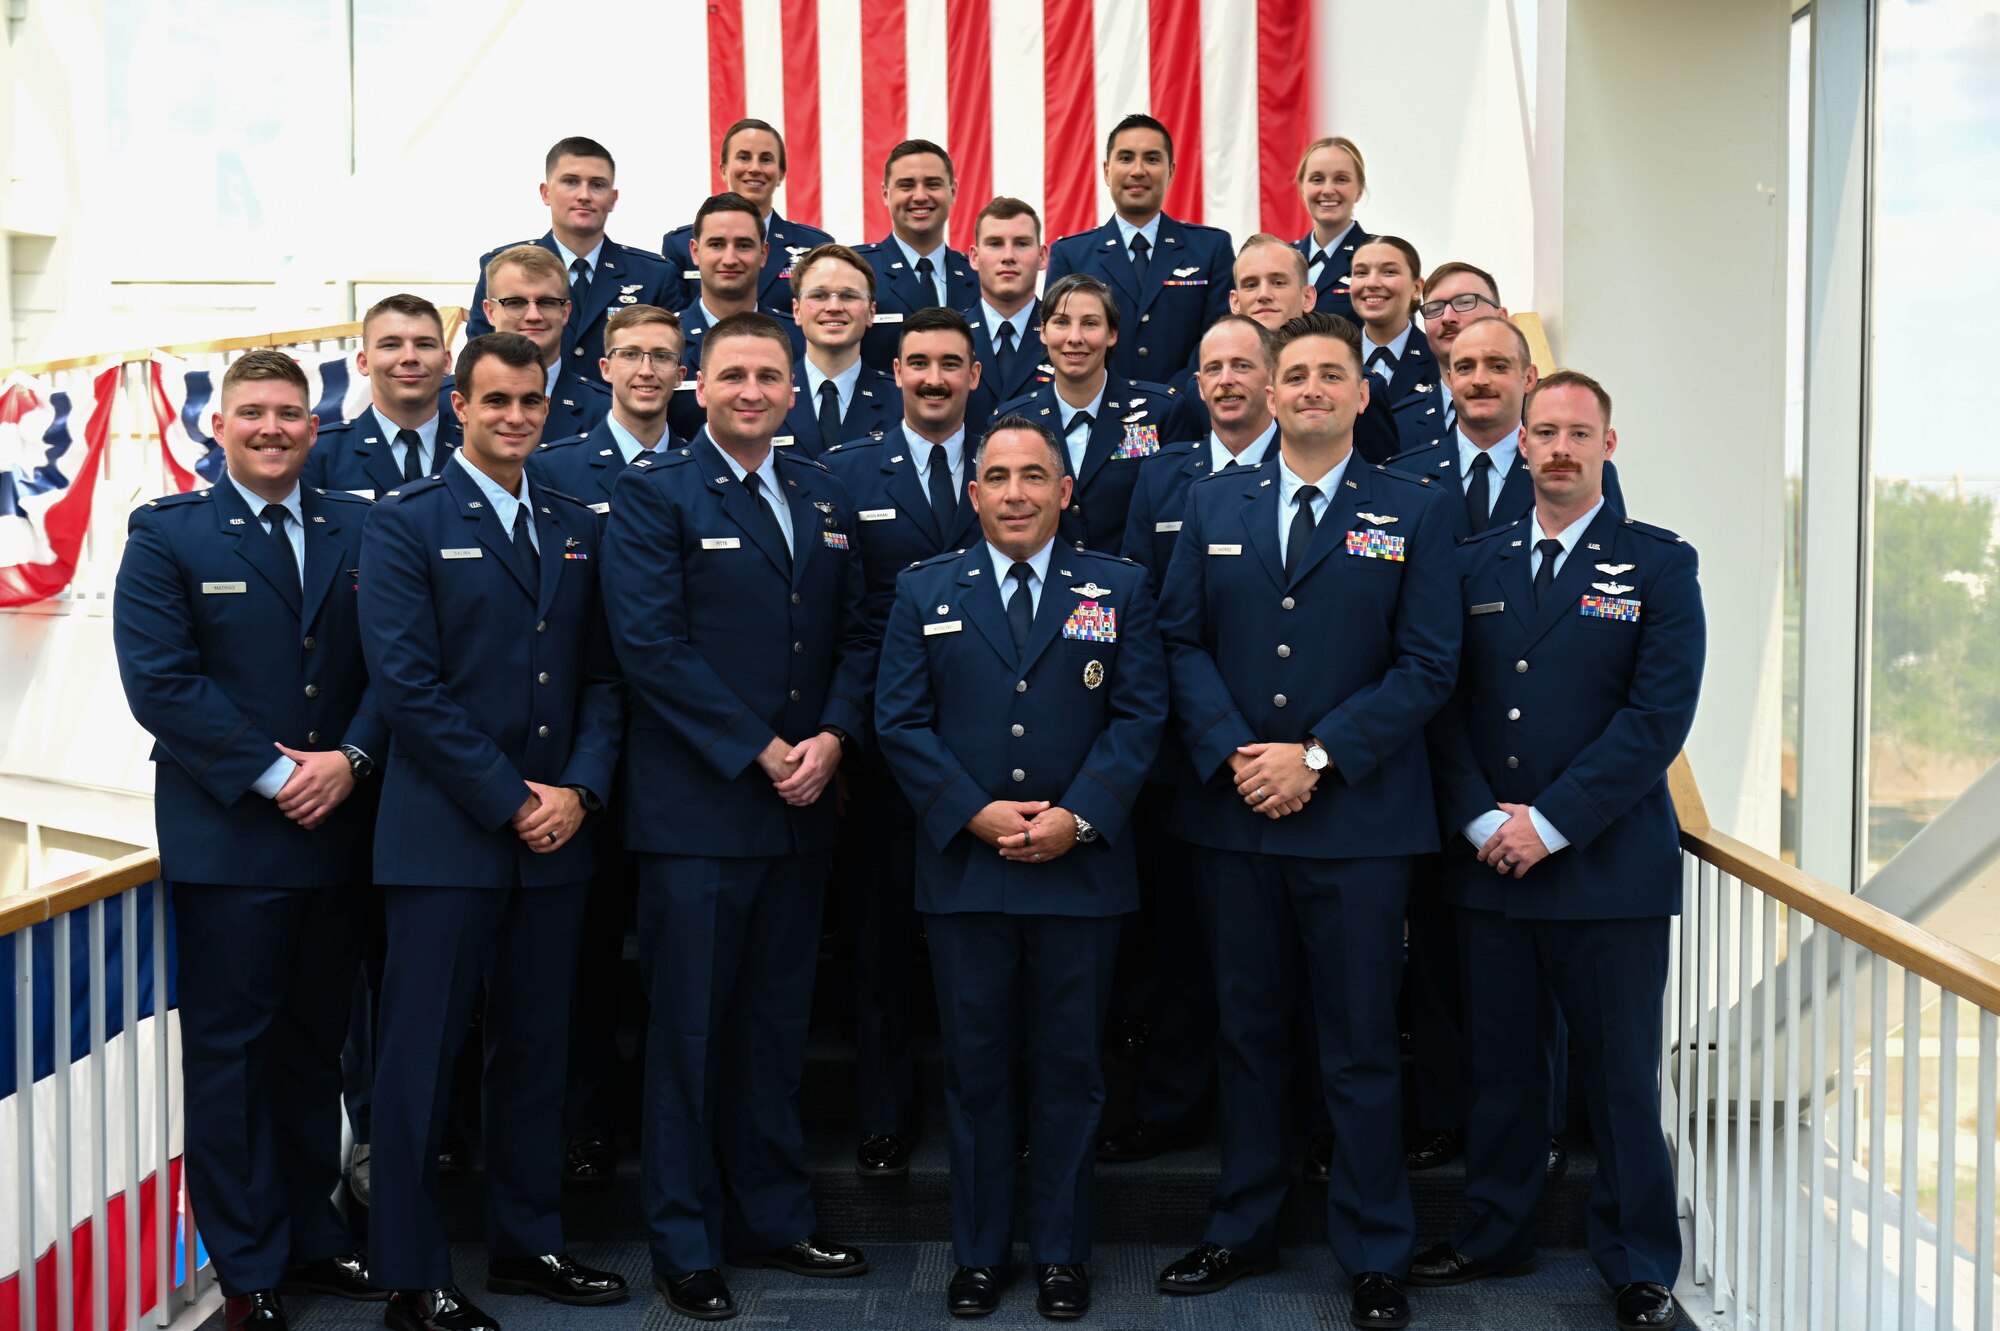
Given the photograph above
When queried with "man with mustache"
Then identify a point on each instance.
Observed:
(753, 165)
(1584, 641)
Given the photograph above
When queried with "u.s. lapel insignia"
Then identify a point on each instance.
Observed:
(1091, 589)
(1379, 519)
(1610, 588)
(318, 518)
(236, 522)
(1592, 545)
(1093, 674)
(1613, 570)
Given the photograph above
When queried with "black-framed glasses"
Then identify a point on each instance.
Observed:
(665, 360)
(1465, 302)
(546, 304)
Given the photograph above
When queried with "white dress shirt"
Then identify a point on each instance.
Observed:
(1219, 456)
(1003, 567)
(954, 456)
(1288, 488)
(937, 258)
(1075, 436)
(774, 497)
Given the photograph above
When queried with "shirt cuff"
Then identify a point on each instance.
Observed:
(274, 778)
(1546, 830)
(1481, 829)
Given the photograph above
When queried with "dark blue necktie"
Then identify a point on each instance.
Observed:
(829, 415)
(1021, 606)
(1003, 356)
(413, 454)
(1479, 494)
(579, 288)
(277, 516)
(755, 485)
(943, 501)
(1545, 576)
(1302, 529)
(524, 543)
(1141, 253)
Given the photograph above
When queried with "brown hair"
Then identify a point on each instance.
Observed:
(747, 323)
(1266, 238)
(913, 147)
(405, 304)
(1317, 323)
(1266, 341)
(264, 363)
(1570, 379)
(1065, 287)
(1444, 270)
(833, 249)
(1410, 253)
(1005, 208)
(722, 157)
(638, 316)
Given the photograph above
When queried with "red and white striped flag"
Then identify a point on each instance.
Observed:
(1022, 96)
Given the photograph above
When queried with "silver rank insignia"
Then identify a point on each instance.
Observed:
(1091, 590)
(1093, 674)
(1613, 570)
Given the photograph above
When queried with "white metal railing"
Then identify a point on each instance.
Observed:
(99, 1130)
(1833, 1173)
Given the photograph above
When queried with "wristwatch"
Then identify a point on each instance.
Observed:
(1085, 833)
(1315, 755)
(590, 802)
(359, 763)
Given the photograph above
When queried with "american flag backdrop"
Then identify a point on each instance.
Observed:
(1022, 95)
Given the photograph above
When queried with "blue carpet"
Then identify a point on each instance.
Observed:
(906, 1289)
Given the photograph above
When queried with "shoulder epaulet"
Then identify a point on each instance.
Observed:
(642, 253)
(1657, 533)
(869, 247)
(343, 497)
(1402, 477)
(798, 459)
(661, 459)
(487, 257)
(850, 447)
(1202, 226)
(948, 557)
(1233, 473)
(687, 227)
(1494, 532)
(1180, 448)
(1144, 386)
(1108, 557)
(563, 442)
(181, 500)
(422, 485)
(562, 496)
(1420, 451)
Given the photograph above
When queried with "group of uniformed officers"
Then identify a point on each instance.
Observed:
(1168, 648)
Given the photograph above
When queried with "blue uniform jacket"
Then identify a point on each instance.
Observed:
(685, 416)
(1188, 280)
(899, 292)
(586, 466)
(1358, 649)
(625, 276)
(222, 658)
(1411, 398)
(874, 410)
(897, 528)
(358, 455)
(1075, 720)
(1439, 464)
(486, 682)
(576, 406)
(727, 644)
(789, 242)
(1576, 708)
(1333, 278)
(1134, 419)
(1031, 364)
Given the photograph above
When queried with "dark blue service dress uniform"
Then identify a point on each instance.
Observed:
(729, 640)
(897, 527)
(900, 292)
(1074, 717)
(1336, 273)
(1133, 420)
(1189, 275)
(359, 455)
(587, 466)
(492, 670)
(226, 648)
(1018, 378)
(1574, 703)
(624, 275)
(685, 416)
(576, 405)
(1411, 397)
(789, 242)
(1358, 648)
(875, 407)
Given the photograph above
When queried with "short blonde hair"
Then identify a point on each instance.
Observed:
(532, 260)
(639, 316)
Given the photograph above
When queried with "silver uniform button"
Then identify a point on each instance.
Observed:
(1278, 701)
(542, 626)
(1520, 667)
(542, 678)
(312, 690)
(1283, 651)
(1513, 714)
(1287, 603)
(795, 695)
(312, 737)
(795, 595)
(1020, 775)
(542, 732)
(1021, 686)
(798, 647)
(1513, 762)
(1019, 730)
(309, 643)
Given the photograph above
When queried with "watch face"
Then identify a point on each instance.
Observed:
(1316, 758)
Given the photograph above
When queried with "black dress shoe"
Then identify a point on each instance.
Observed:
(435, 1310)
(556, 1277)
(590, 1160)
(1144, 1140)
(1558, 1159)
(259, 1310)
(882, 1154)
(1317, 1167)
(974, 1291)
(343, 1277)
(1432, 1149)
(1446, 1265)
(1062, 1291)
(1378, 1301)
(1645, 1306)
(810, 1256)
(1209, 1268)
(701, 1295)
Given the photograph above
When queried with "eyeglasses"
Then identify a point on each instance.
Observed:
(546, 304)
(665, 360)
(1465, 303)
(820, 296)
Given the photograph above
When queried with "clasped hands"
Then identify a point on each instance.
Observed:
(1273, 779)
(317, 786)
(800, 772)
(1025, 831)
(1517, 847)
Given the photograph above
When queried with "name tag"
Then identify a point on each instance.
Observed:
(894, 318)
(691, 274)
(1225, 549)
(948, 626)
(362, 494)
(1166, 526)
(1489, 607)
(877, 515)
(721, 543)
(781, 441)
(224, 588)
(600, 508)
(469, 552)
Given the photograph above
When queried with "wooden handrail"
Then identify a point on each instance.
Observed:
(1911, 946)
(78, 890)
(454, 316)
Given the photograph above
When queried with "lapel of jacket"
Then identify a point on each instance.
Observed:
(1339, 259)
(555, 545)
(960, 285)
(738, 504)
(1342, 504)
(237, 519)
(492, 533)
(324, 551)
(1114, 265)
(979, 593)
(1517, 492)
(808, 520)
(902, 277)
(1105, 432)
(1050, 616)
(777, 259)
(1170, 253)
(604, 284)
(1260, 521)
(899, 477)
(372, 448)
(1572, 580)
